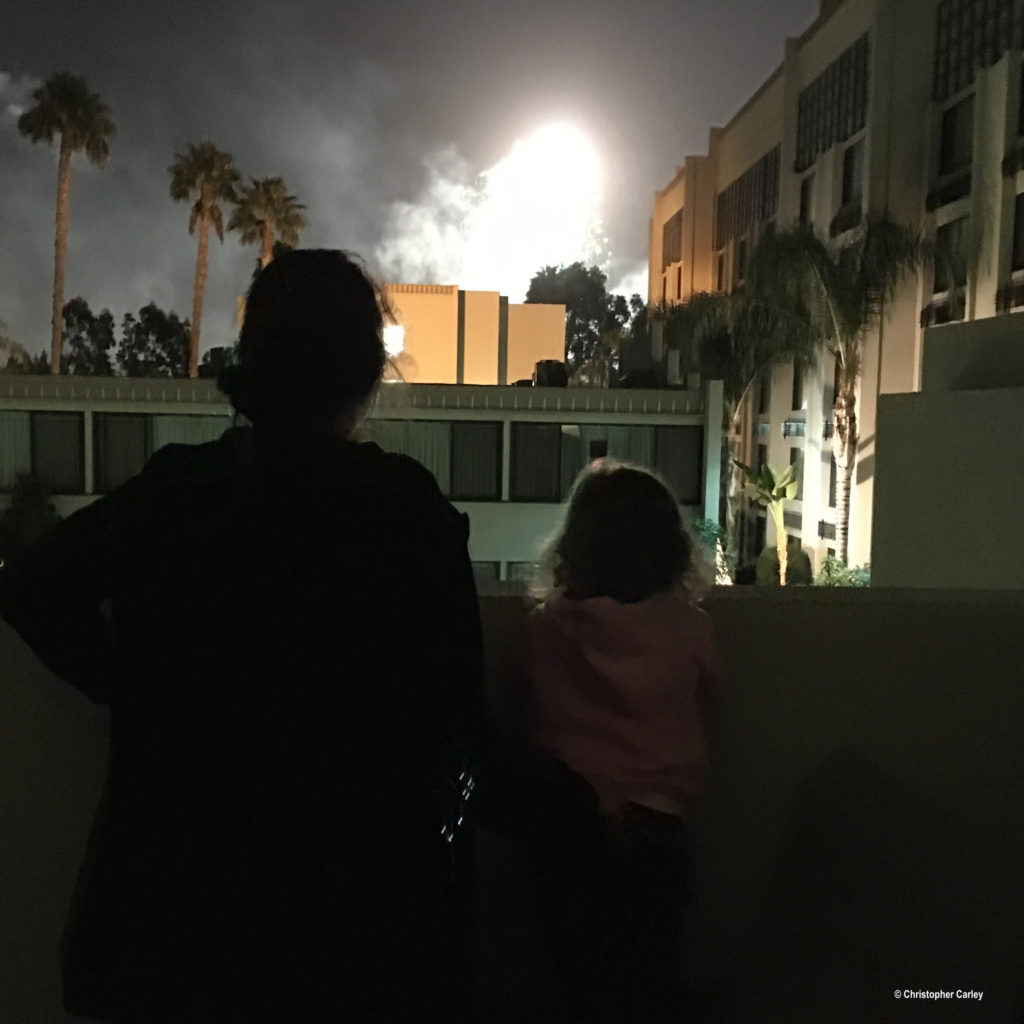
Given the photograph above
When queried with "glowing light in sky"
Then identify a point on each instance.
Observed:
(394, 339)
(539, 204)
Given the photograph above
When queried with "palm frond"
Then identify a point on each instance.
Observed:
(63, 105)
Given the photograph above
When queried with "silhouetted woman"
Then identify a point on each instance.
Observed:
(284, 624)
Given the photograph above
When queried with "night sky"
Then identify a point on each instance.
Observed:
(381, 118)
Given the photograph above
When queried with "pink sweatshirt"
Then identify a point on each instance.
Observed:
(616, 690)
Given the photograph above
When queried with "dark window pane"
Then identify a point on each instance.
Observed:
(762, 457)
(485, 573)
(58, 458)
(672, 240)
(121, 446)
(798, 387)
(806, 198)
(536, 462)
(951, 255)
(796, 459)
(15, 447)
(832, 482)
(1018, 234)
(853, 173)
(957, 141)
(679, 458)
(476, 461)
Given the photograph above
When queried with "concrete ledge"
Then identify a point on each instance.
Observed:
(862, 831)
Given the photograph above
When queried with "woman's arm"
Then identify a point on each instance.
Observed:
(53, 593)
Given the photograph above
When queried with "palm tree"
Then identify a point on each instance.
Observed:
(736, 339)
(65, 107)
(838, 293)
(205, 176)
(265, 213)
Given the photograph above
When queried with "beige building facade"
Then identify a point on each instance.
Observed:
(910, 107)
(451, 336)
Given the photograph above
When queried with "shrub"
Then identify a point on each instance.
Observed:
(798, 569)
(836, 573)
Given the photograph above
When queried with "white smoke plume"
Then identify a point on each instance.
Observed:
(539, 205)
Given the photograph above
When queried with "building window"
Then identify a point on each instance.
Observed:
(951, 255)
(536, 462)
(956, 144)
(764, 392)
(741, 261)
(753, 197)
(720, 285)
(853, 173)
(833, 107)
(485, 574)
(672, 240)
(762, 458)
(796, 459)
(58, 453)
(832, 482)
(798, 386)
(679, 282)
(521, 572)
(679, 458)
(427, 441)
(972, 34)
(15, 448)
(1018, 234)
(806, 198)
(476, 461)
(121, 445)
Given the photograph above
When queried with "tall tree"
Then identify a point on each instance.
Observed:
(266, 213)
(838, 293)
(153, 344)
(64, 107)
(595, 320)
(736, 339)
(582, 291)
(88, 339)
(205, 176)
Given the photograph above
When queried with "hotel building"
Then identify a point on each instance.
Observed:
(911, 107)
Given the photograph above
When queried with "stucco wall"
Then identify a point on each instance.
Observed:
(535, 332)
(949, 490)
(861, 833)
(430, 316)
(480, 338)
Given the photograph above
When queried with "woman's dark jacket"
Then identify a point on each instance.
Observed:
(288, 637)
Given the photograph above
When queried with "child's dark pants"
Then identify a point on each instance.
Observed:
(612, 893)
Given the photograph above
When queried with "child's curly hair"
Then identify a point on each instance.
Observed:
(622, 537)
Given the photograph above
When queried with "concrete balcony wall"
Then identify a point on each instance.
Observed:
(862, 832)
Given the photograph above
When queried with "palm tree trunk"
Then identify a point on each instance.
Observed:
(730, 484)
(197, 295)
(844, 449)
(781, 544)
(60, 252)
(267, 252)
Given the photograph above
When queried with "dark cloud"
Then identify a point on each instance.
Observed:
(353, 104)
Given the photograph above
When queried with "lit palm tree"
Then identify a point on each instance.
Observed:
(735, 339)
(64, 107)
(839, 293)
(206, 177)
(265, 213)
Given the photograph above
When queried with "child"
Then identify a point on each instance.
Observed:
(619, 663)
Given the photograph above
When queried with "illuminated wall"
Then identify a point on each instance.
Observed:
(467, 337)
(480, 337)
(536, 331)
(429, 314)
